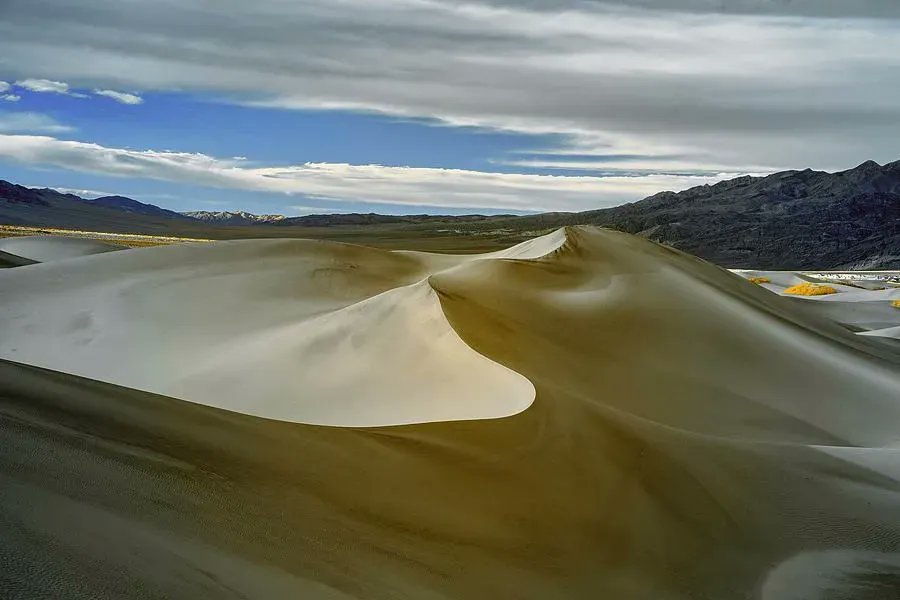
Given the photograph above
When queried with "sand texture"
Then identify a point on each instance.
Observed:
(660, 428)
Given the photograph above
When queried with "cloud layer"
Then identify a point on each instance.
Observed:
(743, 84)
(449, 188)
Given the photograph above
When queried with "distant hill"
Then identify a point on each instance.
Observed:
(20, 205)
(233, 218)
(790, 220)
(133, 206)
(328, 220)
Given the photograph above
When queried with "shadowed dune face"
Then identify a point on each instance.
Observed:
(640, 329)
(692, 436)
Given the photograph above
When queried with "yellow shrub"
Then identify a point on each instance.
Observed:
(810, 289)
(895, 303)
(759, 280)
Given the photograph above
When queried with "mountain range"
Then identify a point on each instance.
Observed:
(788, 220)
(224, 217)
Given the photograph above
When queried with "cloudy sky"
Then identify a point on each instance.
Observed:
(400, 106)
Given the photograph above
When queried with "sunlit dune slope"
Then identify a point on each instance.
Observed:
(297, 330)
(691, 435)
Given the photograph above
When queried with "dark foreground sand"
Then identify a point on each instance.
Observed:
(693, 436)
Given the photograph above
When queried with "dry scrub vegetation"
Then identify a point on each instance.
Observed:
(810, 289)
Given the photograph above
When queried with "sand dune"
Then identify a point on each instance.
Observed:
(45, 248)
(300, 331)
(691, 435)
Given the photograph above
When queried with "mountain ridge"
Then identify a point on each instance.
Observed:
(848, 219)
(134, 206)
(229, 217)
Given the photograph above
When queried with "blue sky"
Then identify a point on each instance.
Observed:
(271, 136)
(402, 106)
(277, 136)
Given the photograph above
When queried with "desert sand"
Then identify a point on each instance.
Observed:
(311, 332)
(45, 248)
(631, 422)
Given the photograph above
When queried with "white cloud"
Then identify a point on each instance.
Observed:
(121, 97)
(450, 188)
(47, 86)
(30, 122)
(44, 86)
(316, 210)
(10, 97)
(4, 87)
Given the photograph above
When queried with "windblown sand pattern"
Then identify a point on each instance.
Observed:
(588, 415)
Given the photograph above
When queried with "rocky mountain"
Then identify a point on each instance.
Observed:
(12, 195)
(793, 219)
(233, 218)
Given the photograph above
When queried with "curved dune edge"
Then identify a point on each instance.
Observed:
(358, 339)
(389, 360)
(46, 248)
